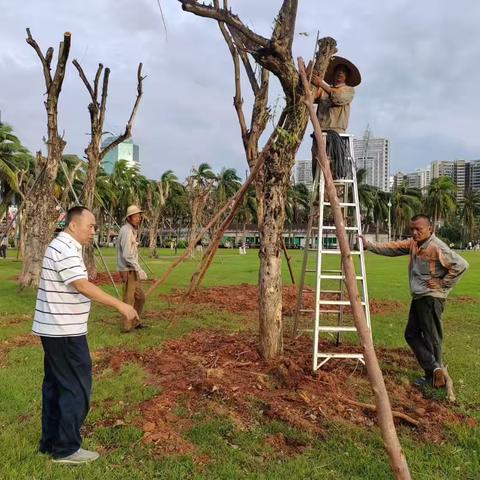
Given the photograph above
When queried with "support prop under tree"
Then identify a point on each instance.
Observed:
(398, 462)
(40, 215)
(95, 152)
(272, 55)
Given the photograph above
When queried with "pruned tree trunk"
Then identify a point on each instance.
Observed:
(40, 214)
(272, 55)
(152, 240)
(94, 151)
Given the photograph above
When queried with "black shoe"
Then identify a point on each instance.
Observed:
(141, 326)
(423, 382)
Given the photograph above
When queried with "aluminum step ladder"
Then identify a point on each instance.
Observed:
(320, 233)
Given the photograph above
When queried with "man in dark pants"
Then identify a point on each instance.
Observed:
(433, 271)
(61, 318)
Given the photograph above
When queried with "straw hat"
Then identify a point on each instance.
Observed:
(353, 78)
(132, 210)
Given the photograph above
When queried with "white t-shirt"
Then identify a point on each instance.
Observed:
(61, 311)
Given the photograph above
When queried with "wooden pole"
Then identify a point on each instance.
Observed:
(398, 462)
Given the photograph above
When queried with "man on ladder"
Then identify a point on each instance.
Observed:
(334, 98)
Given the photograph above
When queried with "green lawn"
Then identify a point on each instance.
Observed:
(345, 453)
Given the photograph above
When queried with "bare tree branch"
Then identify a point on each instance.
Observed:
(84, 79)
(97, 80)
(285, 24)
(45, 60)
(128, 128)
(103, 103)
(223, 15)
(63, 52)
(237, 99)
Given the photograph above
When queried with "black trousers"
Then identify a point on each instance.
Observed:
(424, 332)
(65, 393)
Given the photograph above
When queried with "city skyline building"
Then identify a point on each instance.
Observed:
(126, 150)
(303, 173)
(373, 155)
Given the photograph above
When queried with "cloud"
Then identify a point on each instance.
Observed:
(419, 87)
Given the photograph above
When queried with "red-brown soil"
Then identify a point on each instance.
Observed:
(102, 278)
(244, 299)
(223, 374)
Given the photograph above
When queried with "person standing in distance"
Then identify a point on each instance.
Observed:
(433, 271)
(61, 319)
(129, 267)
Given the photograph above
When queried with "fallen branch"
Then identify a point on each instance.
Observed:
(369, 406)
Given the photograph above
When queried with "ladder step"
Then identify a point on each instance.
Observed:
(338, 252)
(331, 271)
(307, 310)
(333, 227)
(342, 204)
(338, 277)
(340, 355)
(334, 329)
(329, 311)
(336, 302)
(310, 270)
(330, 291)
(342, 181)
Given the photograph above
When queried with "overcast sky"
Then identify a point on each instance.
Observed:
(419, 61)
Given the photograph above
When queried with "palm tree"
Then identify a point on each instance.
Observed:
(440, 200)
(296, 206)
(366, 197)
(247, 212)
(199, 187)
(380, 209)
(157, 195)
(406, 202)
(227, 184)
(15, 162)
(470, 210)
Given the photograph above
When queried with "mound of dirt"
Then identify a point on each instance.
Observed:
(102, 278)
(224, 374)
(243, 298)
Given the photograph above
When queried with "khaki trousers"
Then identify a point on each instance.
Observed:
(134, 295)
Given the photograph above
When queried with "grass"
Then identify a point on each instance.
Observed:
(348, 453)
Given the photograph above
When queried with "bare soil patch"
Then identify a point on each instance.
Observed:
(103, 278)
(223, 374)
(18, 341)
(243, 298)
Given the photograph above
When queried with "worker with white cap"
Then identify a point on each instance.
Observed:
(129, 267)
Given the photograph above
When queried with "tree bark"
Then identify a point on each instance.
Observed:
(40, 213)
(272, 55)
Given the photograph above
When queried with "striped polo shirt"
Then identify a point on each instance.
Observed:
(61, 311)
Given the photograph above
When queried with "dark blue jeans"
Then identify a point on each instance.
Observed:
(424, 332)
(65, 393)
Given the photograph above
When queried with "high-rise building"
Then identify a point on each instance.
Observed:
(126, 150)
(397, 180)
(457, 170)
(373, 155)
(303, 173)
(420, 178)
(472, 175)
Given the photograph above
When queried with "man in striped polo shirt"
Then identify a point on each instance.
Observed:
(61, 318)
